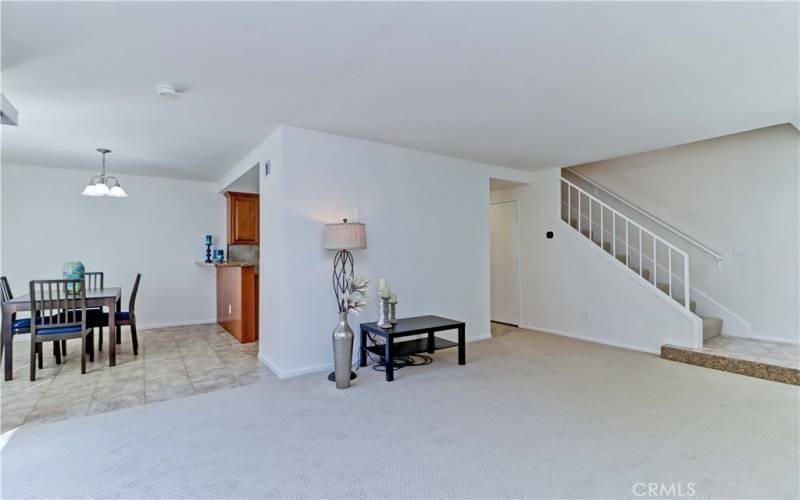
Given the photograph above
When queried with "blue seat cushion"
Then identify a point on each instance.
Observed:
(21, 324)
(122, 316)
(57, 330)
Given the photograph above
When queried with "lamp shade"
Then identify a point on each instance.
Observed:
(345, 236)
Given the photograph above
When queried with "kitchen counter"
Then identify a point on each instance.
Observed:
(229, 264)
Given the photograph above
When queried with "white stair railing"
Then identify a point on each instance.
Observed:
(718, 257)
(590, 216)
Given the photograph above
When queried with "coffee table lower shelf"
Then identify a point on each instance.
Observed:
(417, 346)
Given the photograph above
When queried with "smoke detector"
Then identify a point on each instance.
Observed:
(167, 90)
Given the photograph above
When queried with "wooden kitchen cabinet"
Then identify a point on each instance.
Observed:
(237, 301)
(243, 210)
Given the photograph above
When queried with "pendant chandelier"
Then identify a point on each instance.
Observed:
(100, 185)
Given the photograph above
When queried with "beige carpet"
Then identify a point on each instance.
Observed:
(529, 416)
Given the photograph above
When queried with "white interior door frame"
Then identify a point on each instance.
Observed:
(517, 265)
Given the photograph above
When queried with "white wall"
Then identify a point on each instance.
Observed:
(427, 220)
(564, 278)
(158, 231)
(738, 190)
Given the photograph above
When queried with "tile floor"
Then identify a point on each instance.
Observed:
(771, 353)
(172, 363)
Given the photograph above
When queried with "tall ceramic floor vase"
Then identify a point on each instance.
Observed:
(343, 351)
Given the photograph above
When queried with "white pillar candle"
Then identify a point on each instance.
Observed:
(386, 293)
(381, 284)
(393, 298)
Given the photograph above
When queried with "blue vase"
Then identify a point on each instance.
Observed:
(73, 271)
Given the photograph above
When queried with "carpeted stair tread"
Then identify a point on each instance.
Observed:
(712, 327)
(664, 287)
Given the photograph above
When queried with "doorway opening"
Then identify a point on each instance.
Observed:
(504, 214)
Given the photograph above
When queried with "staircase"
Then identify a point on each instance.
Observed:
(637, 250)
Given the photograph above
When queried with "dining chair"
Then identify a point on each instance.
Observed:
(18, 326)
(59, 307)
(121, 318)
(92, 281)
(128, 318)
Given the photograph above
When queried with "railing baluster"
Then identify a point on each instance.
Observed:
(669, 269)
(626, 243)
(614, 233)
(569, 205)
(686, 282)
(640, 251)
(602, 230)
(655, 264)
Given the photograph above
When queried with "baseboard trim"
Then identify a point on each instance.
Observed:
(281, 374)
(486, 336)
(269, 364)
(153, 326)
(765, 338)
(592, 339)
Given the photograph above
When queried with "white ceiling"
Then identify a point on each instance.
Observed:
(526, 85)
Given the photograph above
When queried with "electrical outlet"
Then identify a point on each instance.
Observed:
(742, 251)
(230, 309)
(586, 314)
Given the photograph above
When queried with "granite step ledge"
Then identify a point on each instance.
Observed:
(751, 368)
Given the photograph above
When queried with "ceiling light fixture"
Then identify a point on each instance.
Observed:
(100, 185)
(167, 90)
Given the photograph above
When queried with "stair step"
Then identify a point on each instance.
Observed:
(645, 272)
(712, 327)
(664, 287)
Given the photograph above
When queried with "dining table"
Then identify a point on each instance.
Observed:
(109, 297)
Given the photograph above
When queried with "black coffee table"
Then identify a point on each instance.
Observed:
(411, 326)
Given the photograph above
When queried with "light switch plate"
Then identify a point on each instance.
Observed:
(742, 251)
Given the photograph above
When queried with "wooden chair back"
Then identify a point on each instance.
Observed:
(132, 303)
(57, 303)
(93, 280)
(5, 290)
